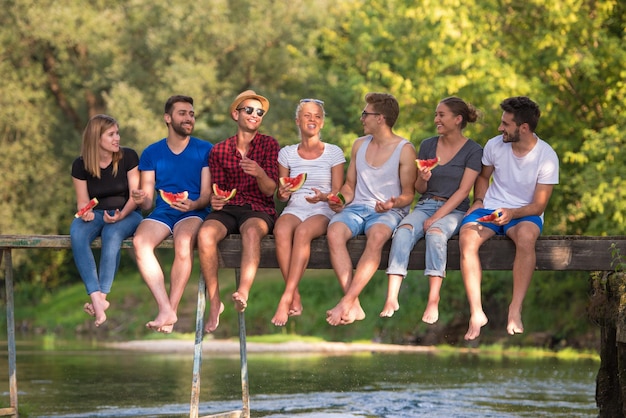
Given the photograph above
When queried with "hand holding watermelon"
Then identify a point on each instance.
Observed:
(293, 183)
(491, 217)
(90, 205)
(336, 199)
(428, 164)
(171, 198)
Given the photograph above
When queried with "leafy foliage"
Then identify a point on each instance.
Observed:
(65, 60)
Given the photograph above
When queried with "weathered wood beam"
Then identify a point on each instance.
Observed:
(554, 252)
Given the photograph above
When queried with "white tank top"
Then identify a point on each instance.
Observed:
(378, 183)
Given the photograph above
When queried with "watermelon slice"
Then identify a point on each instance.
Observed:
(171, 198)
(429, 164)
(293, 183)
(225, 194)
(337, 198)
(90, 205)
(491, 217)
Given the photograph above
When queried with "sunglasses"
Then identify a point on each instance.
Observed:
(250, 109)
(319, 102)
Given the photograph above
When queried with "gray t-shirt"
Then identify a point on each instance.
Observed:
(446, 178)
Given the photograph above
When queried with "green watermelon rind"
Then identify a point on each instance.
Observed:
(171, 198)
(291, 182)
(222, 193)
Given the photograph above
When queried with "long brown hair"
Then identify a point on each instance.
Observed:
(90, 150)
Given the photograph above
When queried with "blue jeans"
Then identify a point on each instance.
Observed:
(82, 235)
(404, 239)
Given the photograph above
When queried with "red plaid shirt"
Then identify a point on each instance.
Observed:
(226, 172)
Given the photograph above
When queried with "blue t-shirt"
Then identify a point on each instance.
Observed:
(176, 173)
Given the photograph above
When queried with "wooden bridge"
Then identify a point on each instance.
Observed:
(573, 253)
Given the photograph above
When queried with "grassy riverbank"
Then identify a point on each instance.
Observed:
(552, 323)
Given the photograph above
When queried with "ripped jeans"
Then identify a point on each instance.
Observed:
(404, 238)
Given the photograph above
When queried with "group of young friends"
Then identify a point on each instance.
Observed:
(513, 177)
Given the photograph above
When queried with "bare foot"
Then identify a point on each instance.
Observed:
(214, 317)
(431, 313)
(167, 329)
(163, 322)
(391, 306)
(357, 311)
(341, 314)
(241, 302)
(295, 308)
(515, 325)
(99, 304)
(282, 312)
(88, 308)
(476, 322)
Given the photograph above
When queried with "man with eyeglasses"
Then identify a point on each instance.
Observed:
(248, 163)
(378, 192)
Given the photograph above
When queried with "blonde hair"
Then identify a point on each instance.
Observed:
(90, 150)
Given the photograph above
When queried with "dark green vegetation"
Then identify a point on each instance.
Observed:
(66, 60)
(553, 319)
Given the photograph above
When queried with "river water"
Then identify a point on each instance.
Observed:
(96, 382)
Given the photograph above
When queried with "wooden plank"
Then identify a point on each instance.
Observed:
(567, 252)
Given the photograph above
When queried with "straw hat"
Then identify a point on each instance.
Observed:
(249, 94)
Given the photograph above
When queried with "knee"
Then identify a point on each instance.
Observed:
(435, 235)
(282, 233)
(335, 236)
(252, 233)
(377, 238)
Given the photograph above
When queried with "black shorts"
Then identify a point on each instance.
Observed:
(233, 216)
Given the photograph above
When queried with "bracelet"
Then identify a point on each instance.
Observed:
(479, 198)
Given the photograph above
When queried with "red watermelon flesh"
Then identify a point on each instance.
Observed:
(226, 194)
(90, 205)
(429, 164)
(293, 183)
(171, 198)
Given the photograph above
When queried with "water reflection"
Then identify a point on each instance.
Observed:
(92, 382)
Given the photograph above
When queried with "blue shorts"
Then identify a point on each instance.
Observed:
(170, 217)
(500, 229)
(360, 218)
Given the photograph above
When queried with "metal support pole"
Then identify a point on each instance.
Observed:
(8, 280)
(197, 353)
(243, 355)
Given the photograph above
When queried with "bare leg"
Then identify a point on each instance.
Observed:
(290, 303)
(471, 237)
(185, 233)
(210, 234)
(524, 235)
(431, 313)
(393, 290)
(348, 309)
(252, 231)
(148, 235)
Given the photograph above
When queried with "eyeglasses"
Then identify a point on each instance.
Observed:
(319, 102)
(364, 114)
(250, 109)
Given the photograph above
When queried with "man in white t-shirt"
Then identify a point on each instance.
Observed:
(524, 170)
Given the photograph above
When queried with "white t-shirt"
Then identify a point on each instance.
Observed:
(515, 178)
(318, 175)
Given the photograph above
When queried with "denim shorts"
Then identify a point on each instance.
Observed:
(501, 229)
(360, 218)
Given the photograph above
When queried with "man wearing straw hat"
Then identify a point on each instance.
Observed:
(248, 163)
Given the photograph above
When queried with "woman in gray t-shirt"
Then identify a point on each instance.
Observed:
(444, 191)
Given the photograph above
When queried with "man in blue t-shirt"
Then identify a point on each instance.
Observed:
(177, 164)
